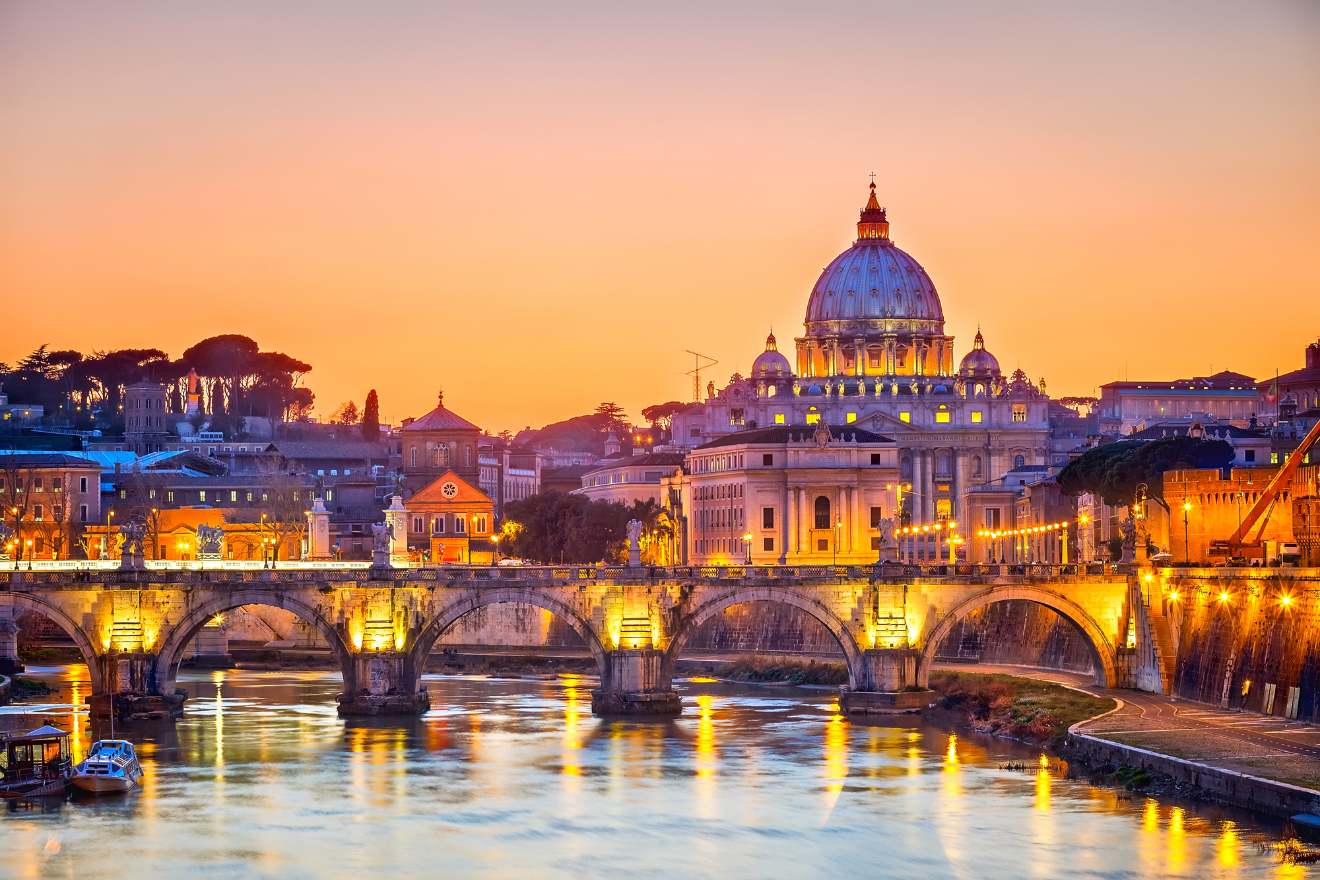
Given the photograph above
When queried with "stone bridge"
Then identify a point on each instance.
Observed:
(134, 626)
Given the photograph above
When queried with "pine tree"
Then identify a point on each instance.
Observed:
(371, 417)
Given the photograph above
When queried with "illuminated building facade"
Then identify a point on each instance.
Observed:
(875, 355)
(1226, 396)
(451, 520)
(787, 496)
(439, 442)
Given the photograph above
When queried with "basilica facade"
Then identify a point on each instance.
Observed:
(874, 355)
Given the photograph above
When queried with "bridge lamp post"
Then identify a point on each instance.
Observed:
(838, 535)
(747, 543)
(27, 548)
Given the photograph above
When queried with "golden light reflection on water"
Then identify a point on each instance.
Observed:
(1177, 835)
(952, 775)
(1226, 850)
(836, 758)
(705, 756)
(572, 737)
(218, 677)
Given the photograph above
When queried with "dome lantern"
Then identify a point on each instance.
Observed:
(873, 224)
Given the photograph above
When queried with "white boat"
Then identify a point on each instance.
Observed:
(110, 766)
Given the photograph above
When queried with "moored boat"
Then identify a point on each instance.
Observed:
(35, 764)
(110, 766)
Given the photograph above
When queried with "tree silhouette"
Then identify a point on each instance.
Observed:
(371, 417)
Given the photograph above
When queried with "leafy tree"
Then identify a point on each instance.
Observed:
(613, 415)
(1115, 470)
(556, 527)
(661, 415)
(347, 414)
(224, 360)
(371, 417)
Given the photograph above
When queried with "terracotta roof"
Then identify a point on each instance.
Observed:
(440, 419)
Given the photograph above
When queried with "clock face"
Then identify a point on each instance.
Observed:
(449, 490)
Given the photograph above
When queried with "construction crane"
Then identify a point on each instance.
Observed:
(695, 372)
(1238, 545)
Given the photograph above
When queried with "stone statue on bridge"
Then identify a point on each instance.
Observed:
(635, 527)
(5, 534)
(131, 534)
(208, 541)
(381, 533)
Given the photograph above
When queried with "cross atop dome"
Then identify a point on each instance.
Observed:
(873, 224)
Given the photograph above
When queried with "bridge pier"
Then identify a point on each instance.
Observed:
(886, 682)
(633, 682)
(211, 647)
(127, 678)
(9, 663)
(390, 686)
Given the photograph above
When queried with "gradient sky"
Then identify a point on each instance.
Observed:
(540, 208)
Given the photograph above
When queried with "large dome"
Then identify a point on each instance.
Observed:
(874, 283)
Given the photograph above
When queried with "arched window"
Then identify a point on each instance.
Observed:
(822, 512)
(1019, 461)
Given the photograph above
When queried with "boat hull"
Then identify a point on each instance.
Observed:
(102, 784)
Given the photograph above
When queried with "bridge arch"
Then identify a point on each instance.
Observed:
(471, 600)
(56, 615)
(1102, 649)
(180, 634)
(716, 604)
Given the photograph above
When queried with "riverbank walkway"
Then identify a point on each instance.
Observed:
(1246, 742)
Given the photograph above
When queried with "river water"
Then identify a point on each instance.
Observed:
(516, 778)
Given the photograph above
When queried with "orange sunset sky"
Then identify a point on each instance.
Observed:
(539, 207)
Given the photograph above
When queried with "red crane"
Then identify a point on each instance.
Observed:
(1237, 544)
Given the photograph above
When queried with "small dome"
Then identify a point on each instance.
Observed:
(770, 364)
(978, 361)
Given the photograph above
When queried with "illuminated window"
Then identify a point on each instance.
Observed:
(1019, 412)
(779, 418)
(977, 416)
(813, 418)
(851, 417)
(1274, 458)
(417, 524)
(460, 523)
(771, 391)
(943, 416)
(943, 508)
(905, 416)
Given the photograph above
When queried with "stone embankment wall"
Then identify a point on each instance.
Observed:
(1242, 644)
(5, 690)
(1227, 786)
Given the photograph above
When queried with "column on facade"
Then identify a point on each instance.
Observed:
(803, 514)
(789, 525)
(859, 357)
(860, 522)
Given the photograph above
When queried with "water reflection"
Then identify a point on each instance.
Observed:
(517, 778)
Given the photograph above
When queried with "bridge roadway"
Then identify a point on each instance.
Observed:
(135, 623)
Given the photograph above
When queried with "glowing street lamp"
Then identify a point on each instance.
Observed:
(747, 543)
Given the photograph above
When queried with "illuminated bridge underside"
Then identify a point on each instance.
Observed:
(133, 627)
